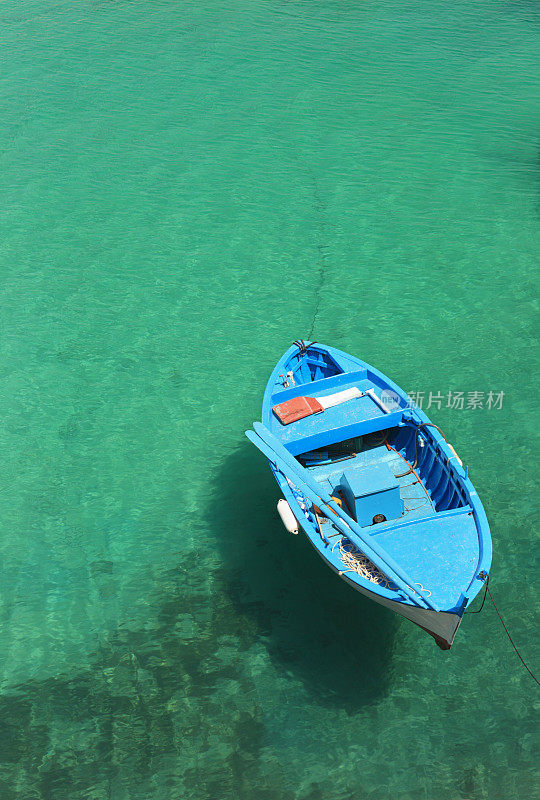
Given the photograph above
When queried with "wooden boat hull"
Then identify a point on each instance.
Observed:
(437, 539)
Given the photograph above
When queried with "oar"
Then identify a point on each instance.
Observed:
(273, 449)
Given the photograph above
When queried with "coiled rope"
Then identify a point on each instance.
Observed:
(355, 561)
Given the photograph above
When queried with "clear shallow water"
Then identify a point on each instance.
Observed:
(185, 190)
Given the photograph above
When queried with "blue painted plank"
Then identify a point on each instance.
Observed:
(441, 552)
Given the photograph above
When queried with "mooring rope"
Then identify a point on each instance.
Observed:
(320, 211)
(318, 290)
(478, 610)
(486, 592)
(531, 673)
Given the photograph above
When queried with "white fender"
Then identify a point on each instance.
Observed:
(287, 516)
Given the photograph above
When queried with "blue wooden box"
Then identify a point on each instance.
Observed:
(371, 492)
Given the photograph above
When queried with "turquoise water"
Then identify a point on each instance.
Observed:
(185, 189)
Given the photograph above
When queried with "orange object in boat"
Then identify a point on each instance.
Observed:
(336, 499)
(297, 408)
(300, 407)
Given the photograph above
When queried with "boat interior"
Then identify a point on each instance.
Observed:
(379, 466)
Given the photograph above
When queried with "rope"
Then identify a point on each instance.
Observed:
(356, 561)
(478, 610)
(302, 346)
(531, 673)
(409, 472)
(320, 216)
(424, 425)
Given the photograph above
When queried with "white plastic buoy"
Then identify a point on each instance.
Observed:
(287, 516)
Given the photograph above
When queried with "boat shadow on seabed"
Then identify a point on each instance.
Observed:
(314, 626)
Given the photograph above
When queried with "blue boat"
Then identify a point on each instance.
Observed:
(378, 490)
